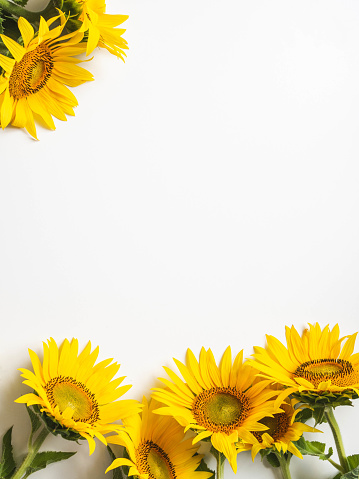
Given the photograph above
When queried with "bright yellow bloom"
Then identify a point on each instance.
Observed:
(222, 403)
(316, 363)
(75, 393)
(101, 28)
(34, 80)
(282, 432)
(157, 448)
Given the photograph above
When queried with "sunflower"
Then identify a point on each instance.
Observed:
(222, 403)
(316, 368)
(101, 28)
(281, 433)
(75, 394)
(156, 448)
(34, 80)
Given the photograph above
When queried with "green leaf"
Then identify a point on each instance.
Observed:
(353, 461)
(353, 474)
(313, 448)
(338, 476)
(118, 472)
(35, 420)
(7, 464)
(43, 459)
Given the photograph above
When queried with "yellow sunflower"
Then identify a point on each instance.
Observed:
(101, 28)
(222, 403)
(74, 393)
(318, 366)
(34, 80)
(157, 448)
(282, 432)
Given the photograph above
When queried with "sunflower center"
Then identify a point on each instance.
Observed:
(151, 459)
(31, 73)
(67, 393)
(220, 409)
(339, 371)
(277, 426)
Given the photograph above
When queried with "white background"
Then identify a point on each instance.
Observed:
(205, 193)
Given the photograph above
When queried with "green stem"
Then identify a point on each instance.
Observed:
(220, 458)
(336, 465)
(33, 450)
(17, 11)
(329, 414)
(284, 465)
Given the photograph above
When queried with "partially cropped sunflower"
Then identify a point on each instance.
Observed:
(281, 433)
(317, 367)
(221, 403)
(75, 394)
(34, 80)
(156, 448)
(101, 28)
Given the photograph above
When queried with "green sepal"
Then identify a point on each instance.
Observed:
(304, 414)
(7, 464)
(321, 399)
(118, 473)
(43, 459)
(35, 420)
(202, 466)
(313, 448)
(273, 459)
(56, 428)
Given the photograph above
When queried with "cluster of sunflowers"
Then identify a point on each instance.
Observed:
(259, 405)
(38, 57)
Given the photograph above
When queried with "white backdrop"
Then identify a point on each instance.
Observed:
(205, 193)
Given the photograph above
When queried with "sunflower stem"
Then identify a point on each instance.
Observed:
(329, 414)
(336, 465)
(284, 465)
(220, 458)
(18, 11)
(33, 450)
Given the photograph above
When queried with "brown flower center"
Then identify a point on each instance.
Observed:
(220, 409)
(67, 393)
(31, 73)
(277, 426)
(151, 459)
(339, 371)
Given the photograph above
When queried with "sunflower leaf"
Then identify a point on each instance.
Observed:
(353, 461)
(43, 459)
(353, 474)
(7, 464)
(313, 448)
(118, 472)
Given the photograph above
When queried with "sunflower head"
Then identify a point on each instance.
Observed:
(156, 448)
(281, 433)
(222, 403)
(318, 367)
(76, 398)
